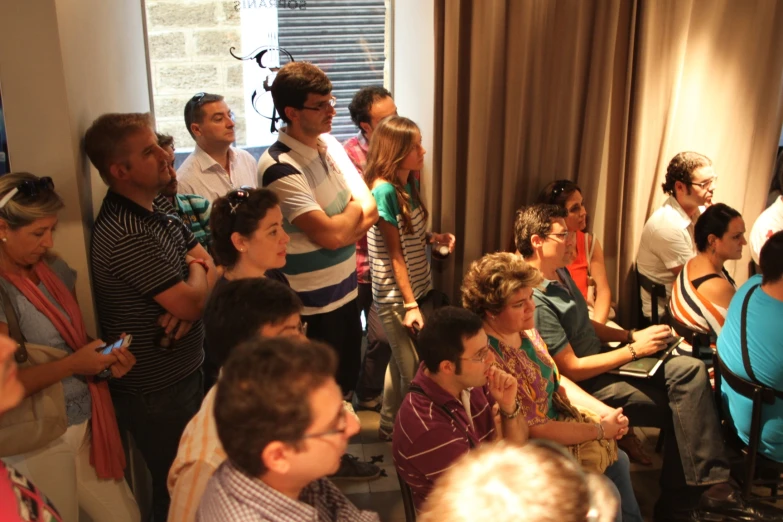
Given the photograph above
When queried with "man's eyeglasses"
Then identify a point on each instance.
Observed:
(343, 421)
(323, 106)
(194, 103)
(481, 355)
(707, 184)
(238, 196)
(562, 235)
(28, 188)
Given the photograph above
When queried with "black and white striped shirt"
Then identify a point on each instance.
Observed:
(135, 255)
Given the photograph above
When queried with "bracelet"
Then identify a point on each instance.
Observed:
(512, 414)
(629, 339)
(600, 428)
(633, 352)
(411, 306)
(200, 262)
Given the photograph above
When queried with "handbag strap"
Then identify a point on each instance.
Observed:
(13, 327)
(415, 388)
(744, 335)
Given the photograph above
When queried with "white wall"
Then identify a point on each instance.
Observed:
(413, 72)
(62, 64)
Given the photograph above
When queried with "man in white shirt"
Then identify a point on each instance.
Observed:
(769, 222)
(214, 168)
(667, 239)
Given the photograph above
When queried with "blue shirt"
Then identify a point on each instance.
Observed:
(765, 349)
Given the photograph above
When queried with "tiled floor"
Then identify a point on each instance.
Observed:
(383, 495)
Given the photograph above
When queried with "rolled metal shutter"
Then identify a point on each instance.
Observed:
(345, 38)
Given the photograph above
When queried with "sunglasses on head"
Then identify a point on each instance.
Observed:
(28, 188)
(558, 188)
(238, 196)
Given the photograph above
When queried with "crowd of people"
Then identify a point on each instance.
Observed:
(236, 289)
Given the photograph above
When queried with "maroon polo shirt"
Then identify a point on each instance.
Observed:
(427, 441)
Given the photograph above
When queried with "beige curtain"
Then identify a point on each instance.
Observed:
(603, 92)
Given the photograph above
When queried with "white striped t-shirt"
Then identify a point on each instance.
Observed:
(305, 180)
(414, 251)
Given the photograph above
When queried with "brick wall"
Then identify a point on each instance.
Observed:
(189, 42)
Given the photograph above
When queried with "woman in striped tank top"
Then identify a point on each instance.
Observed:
(397, 245)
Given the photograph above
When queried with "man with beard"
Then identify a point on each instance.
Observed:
(667, 239)
(192, 209)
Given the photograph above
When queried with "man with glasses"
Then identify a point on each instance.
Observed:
(453, 400)
(667, 239)
(327, 208)
(228, 321)
(281, 421)
(151, 279)
(677, 399)
(214, 167)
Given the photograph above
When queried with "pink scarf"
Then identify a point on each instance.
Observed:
(106, 453)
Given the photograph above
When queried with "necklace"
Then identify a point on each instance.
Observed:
(503, 338)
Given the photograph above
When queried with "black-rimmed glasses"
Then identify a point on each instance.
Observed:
(707, 184)
(194, 103)
(28, 188)
(562, 235)
(323, 106)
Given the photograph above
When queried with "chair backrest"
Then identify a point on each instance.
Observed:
(697, 340)
(657, 293)
(407, 500)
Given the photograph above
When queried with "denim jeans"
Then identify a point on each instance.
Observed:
(156, 420)
(678, 400)
(620, 475)
(403, 363)
(378, 353)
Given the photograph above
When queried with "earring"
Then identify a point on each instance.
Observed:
(5, 239)
(241, 249)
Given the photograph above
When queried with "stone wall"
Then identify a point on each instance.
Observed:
(189, 42)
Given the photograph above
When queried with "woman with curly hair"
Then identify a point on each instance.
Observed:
(499, 289)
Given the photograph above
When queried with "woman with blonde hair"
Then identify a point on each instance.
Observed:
(82, 469)
(401, 278)
(499, 289)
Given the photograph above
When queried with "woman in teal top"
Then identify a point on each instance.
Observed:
(499, 288)
(397, 245)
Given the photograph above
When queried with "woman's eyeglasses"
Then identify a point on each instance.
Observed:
(28, 188)
(238, 196)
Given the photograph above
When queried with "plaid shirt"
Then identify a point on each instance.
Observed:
(193, 210)
(356, 148)
(232, 496)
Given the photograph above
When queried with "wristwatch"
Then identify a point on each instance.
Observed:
(512, 414)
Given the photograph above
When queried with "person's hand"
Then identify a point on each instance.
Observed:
(170, 323)
(125, 361)
(651, 340)
(88, 360)
(413, 317)
(615, 425)
(503, 388)
(445, 239)
(189, 258)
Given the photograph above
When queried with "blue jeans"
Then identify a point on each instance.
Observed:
(620, 475)
(156, 420)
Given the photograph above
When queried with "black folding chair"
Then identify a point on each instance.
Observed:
(700, 342)
(407, 500)
(657, 293)
(758, 470)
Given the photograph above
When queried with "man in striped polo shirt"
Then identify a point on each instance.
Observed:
(151, 279)
(451, 406)
(327, 208)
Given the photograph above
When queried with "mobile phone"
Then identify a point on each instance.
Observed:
(106, 349)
